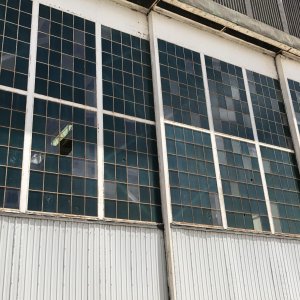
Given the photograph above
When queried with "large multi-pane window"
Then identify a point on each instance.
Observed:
(194, 194)
(182, 85)
(242, 185)
(283, 181)
(228, 99)
(127, 77)
(15, 24)
(12, 122)
(193, 185)
(66, 57)
(131, 188)
(269, 111)
(295, 94)
(63, 172)
(131, 170)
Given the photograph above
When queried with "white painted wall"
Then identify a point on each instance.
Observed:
(106, 12)
(291, 69)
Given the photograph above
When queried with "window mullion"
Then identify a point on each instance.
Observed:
(29, 108)
(213, 142)
(259, 157)
(100, 144)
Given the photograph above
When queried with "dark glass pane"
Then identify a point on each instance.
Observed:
(126, 74)
(15, 46)
(61, 169)
(228, 99)
(182, 85)
(269, 111)
(66, 65)
(129, 147)
(192, 184)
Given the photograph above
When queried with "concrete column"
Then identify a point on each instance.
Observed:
(162, 156)
(283, 16)
(279, 60)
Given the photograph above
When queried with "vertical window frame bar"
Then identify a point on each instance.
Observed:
(24, 191)
(162, 155)
(213, 142)
(100, 132)
(288, 103)
(258, 152)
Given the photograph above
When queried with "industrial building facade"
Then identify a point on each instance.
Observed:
(149, 149)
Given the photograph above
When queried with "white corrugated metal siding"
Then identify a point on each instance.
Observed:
(47, 259)
(237, 5)
(210, 265)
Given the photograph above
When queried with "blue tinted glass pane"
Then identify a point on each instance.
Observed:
(192, 177)
(242, 186)
(12, 115)
(66, 57)
(182, 85)
(127, 77)
(63, 159)
(130, 170)
(14, 42)
(283, 181)
(269, 111)
(228, 98)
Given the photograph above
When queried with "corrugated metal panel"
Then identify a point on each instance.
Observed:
(267, 11)
(237, 5)
(46, 259)
(211, 265)
(292, 12)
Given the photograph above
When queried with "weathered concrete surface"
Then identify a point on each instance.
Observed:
(239, 22)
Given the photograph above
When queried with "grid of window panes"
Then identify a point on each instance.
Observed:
(131, 188)
(283, 181)
(63, 172)
(295, 94)
(12, 122)
(127, 77)
(15, 24)
(242, 186)
(269, 112)
(182, 85)
(228, 99)
(66, 57)
(192, 177)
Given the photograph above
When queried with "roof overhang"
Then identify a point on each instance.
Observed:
(221, 18)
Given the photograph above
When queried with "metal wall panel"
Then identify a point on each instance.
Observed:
(210, 265)
(267, 11)
(292, 12)
(46, 259)
(237, 5)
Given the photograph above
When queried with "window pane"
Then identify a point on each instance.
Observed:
(130, 170)
(66, 57)
(182, 85)
(228, 98)
(11, 150)
(269, 111)
(283, 181)
(242, 186)
(14, 43)
(192, 177)
(66, 184)
(127, 76)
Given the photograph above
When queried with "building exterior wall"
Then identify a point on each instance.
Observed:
(211, 265)
(59, 259)
(140, 239)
